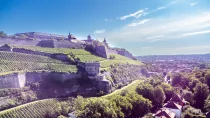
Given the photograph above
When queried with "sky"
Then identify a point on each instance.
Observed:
(143, 27)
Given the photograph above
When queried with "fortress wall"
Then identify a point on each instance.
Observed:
(101, 51)
(18, 42)
(33, 77)
(111, 51)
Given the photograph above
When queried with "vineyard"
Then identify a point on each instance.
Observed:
(56, 50)
(14, 56)
(36, 109)
(15, 62)
(80, 54)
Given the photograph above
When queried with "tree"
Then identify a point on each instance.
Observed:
(207, 79)
(188, 96)
(79, 103)
(159, 96)
(207, 104)
(100, 108)
(168, 90)
(141, 106)
(201, 92)
(124, 103)
(147, 91)
(176, 79)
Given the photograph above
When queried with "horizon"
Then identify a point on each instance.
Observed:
(162, 27)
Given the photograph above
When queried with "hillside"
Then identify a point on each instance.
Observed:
(56, 69)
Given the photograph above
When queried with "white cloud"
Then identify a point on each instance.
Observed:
(193, 3)
(169, 28)
(197, 33)
(159, 8)
(155, 37)
(173, 2)
(201, 49)
(106, 20)
(137, 14)
(100, 31)
(138, 22)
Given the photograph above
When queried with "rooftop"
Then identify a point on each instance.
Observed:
(165, 113)
(172, 105)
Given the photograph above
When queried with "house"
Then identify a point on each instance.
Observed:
(177, 109)
(164, 113)
(178, 99)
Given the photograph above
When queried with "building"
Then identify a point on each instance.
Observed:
(92, 68)
(177, 109)
(89, 38)
(70, 37)
(164, 113)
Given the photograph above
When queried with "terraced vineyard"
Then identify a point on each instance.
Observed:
(15, 62)
(56, 50)
(36, 109)
(14, 56)
(81, 54)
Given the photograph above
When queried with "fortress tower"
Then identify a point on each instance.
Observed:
(70, 37)
(89, 38)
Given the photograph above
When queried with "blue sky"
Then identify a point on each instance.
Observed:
(144, 27)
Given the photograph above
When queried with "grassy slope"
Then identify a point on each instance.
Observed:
(131, 87)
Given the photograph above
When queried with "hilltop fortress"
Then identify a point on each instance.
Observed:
(60, 41)
(100, 78)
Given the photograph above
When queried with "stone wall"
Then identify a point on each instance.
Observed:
(101, 51)
(15, 80)
(18, 80)
(37, 77)
(46, 43)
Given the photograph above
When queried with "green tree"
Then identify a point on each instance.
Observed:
(207, 104)
(159, 96)
(100, 108)
(176, 79)
(147, 91)
(79, 103)
(188, 96)
(168, 90)
(141, 106)
(124, 103)
(207, 79)
(201, 92)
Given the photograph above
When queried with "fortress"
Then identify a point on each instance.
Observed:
(60, 41)
(88, 69)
